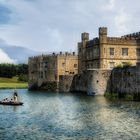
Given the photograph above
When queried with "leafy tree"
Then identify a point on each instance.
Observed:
(10, 70)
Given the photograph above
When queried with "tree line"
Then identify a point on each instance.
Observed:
(11, 70)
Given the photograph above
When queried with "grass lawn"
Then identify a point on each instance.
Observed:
(11, 83)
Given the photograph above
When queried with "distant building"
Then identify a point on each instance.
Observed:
(46, 69)
(106, 52)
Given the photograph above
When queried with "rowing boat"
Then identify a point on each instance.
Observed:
(10, 103)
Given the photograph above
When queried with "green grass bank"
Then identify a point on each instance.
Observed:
(12, 83)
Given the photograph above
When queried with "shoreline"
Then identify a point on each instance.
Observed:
(2, 88)
(126, 97)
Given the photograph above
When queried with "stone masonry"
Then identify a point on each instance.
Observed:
(45, 70)
(92, 71)
(105, 52)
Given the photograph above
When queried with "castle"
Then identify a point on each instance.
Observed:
(47, 69)
(106, 52)
(91, 69)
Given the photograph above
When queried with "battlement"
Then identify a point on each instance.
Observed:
(52, 54)
(122, 40)
(93, 42)
(132, 36)
(103, 31)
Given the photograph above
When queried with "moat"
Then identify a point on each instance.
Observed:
(68, 116)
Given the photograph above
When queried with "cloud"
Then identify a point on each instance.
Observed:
(4, 14)
(49, 26)
(110, 5)
(121, 21)
(4, 58)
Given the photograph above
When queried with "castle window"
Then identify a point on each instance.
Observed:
(79, 49)
(75, 65)
(45, 74)
(41, 74)
(112, 64)
(125, 51)
(55, 77)
(138, 51)
(46, 64)
(63, 64)
(111, 51)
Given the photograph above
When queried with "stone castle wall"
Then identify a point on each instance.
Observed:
(119, 81)
(90, 71)
(91, 82)
(95, 53)
(124, 81)
(45, 70)
(66, 83)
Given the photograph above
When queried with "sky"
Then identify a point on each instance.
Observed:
(56, 25)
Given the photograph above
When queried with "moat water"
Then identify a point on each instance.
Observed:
(49, 116)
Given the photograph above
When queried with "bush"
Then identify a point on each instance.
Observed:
(23, 78)
(119, 66)
(127, 65)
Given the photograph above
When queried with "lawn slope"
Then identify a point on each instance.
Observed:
(12, 83)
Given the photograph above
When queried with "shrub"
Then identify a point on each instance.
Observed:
(119, 66)
(23, 78)
(127, 65)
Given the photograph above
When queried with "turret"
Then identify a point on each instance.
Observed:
(85, 36)
(103, 34)
(103, 41)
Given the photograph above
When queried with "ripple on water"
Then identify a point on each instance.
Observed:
(55, 116)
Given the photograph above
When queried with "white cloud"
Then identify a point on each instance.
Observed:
(55, 25)
(110, 5)
(4, 58)
(121, 22)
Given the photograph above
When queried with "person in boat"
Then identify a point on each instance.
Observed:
(11, 100)
(4, 100)
(15, 96)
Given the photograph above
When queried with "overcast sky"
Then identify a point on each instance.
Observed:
(55, 25)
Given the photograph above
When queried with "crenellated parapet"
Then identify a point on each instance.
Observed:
(123, 40)
(93, 42)
(132, 36)
(39, 57)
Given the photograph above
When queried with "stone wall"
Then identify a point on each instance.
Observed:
(95, 53)
(45, 69)
(125, 81)
(92, 81)
(65, 83)
(51, 86)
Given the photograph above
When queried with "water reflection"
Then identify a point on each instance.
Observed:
(68, 116)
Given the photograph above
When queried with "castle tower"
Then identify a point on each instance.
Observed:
(103, 34)
(85, 36)
(103, 42)
(81, 52)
